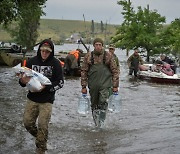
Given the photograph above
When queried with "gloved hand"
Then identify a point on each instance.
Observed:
(84, 90)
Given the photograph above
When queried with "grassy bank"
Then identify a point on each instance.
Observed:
(61, 29)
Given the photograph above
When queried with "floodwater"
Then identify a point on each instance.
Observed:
(149, 121)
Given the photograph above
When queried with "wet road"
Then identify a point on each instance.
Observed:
(149, 121)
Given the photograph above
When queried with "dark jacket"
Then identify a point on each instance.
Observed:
(52, 69)
(168, 60)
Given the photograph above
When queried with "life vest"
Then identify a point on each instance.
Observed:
(75, 53)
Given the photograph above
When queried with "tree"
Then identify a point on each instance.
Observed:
(139, 30)
(10, 9)
(92, 28)
(122, 33)
(170, 38)
(22, 20)
(102, 27)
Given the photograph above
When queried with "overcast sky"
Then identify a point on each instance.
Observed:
(106, 10)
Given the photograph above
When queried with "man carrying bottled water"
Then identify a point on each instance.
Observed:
(99, 72)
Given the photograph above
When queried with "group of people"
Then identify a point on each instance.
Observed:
(135, 63)
(99, 73)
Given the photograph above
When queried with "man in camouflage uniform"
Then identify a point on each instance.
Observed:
(112, 50)
(99, 72)
(133, 62)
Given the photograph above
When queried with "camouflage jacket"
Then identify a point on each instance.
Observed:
(108, 60)
(134, 60)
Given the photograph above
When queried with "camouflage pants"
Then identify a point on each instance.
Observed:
(42, 112)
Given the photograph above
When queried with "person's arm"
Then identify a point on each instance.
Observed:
(23, 79)
(84, 72)
(57, 77)
(141, 60)
(115, 73)
(129, 60)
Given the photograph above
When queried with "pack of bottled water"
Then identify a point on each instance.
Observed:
(114, 102)
(83, 104)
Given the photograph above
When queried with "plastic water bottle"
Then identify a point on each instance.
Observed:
(114, 102)
(83, 104)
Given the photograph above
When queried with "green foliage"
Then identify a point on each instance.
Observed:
(10, 9)
(27, 15)
(27, 23)
(139, 30)
(170, 37)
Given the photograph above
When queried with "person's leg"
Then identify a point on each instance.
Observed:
(67, 65)
(94, 105)
(45, 110)
(130, 71)
(135, 72)
(103, 103)
(30, 116)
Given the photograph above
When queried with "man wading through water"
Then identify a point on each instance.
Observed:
(39, 103)
(99, 72)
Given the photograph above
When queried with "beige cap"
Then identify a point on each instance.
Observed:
(46, 46)
(111, 46)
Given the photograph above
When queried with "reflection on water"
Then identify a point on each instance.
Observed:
(149, 121)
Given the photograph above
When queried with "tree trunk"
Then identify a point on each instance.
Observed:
(127, 52)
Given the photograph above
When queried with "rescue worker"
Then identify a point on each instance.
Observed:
(72, 62)
(112, 51)
(39, 103)
(99, 72)
(133, 62)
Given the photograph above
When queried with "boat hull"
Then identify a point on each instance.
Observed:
(158, 78)
(12, 59)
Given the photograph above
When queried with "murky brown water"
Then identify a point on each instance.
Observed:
(149, 121)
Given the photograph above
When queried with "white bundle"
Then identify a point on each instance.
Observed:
(37, 79)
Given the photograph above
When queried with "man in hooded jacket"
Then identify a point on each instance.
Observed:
(39, 103)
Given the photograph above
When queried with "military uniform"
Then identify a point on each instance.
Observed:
(99, 72)
(133, 63)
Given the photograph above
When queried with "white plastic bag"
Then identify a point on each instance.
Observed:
(34, 85)
(37, 79)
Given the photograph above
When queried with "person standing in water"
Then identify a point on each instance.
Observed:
(133, 62)
(112, 51)
(39, 104)
(99, 72)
